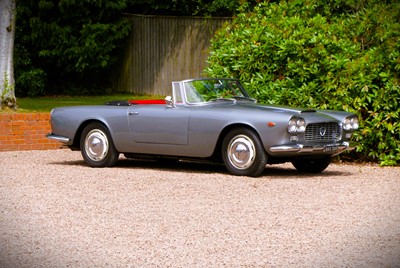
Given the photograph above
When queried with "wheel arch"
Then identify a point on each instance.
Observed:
(226, 130)
(78, 133)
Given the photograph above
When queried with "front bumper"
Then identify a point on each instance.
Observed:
(331, 149)
(62, 139)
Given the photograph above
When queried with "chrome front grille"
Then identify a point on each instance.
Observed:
(323, 132)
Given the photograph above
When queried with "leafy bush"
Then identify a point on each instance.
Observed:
(321, 54)
(30, 81)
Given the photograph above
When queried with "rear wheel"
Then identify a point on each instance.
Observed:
(312, 165)
(97, 147)
(243, 153)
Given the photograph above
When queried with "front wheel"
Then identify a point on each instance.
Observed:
(97, 147)
(243, 153)
(312, 165)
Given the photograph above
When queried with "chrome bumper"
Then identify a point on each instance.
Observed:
(63, 139)
(300, 148)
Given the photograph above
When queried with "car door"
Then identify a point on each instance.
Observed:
(159, 124)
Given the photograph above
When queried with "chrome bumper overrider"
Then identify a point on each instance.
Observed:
(300, 148)
(57, 138)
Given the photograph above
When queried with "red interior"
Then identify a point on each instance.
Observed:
(146, 101)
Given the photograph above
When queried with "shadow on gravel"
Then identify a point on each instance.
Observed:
(181, 166)
(275, 171)
(207, 168)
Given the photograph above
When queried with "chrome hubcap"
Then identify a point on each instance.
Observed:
(96, 145)
(241, 152)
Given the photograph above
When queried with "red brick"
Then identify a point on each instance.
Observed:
(26, 131)
(5, 117)
(18, 117)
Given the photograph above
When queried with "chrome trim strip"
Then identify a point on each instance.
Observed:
(63, 139)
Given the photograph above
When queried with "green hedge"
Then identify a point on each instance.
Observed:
(321, 54)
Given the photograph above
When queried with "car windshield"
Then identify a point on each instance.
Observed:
(204, 90)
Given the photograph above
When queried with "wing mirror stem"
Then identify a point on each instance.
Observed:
(169, 102)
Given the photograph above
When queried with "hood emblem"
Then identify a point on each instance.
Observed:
(322, 131)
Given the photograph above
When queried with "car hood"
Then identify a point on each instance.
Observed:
(274, 108)
(278, 108)
(311, 115)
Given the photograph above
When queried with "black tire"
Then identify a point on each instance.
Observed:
(312, 165)
(97, 147)
(243, 153)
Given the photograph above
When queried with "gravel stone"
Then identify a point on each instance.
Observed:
(57, 212)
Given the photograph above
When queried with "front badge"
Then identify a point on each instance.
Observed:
(322, 131)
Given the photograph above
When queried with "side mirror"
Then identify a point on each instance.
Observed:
(169, 102)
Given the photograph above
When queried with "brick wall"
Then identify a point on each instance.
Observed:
(25, 131)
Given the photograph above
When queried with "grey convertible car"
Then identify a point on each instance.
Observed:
(213, 119)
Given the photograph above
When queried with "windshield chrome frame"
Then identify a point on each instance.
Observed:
(183, 91)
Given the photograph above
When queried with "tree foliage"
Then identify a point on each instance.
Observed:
(67, 43)
(69, 46)
(188, 7)
(334, 54)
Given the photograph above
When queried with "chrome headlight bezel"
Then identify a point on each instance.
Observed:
(296, 125)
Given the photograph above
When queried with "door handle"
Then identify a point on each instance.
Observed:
(133, 113)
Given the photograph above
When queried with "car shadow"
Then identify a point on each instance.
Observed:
(179, 166)
(207, 168)
(291, 172)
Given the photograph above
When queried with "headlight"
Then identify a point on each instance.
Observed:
(292, 127)
(296, 125)
(347, 124)
(301, 125)
(354, 123)
(350, 123)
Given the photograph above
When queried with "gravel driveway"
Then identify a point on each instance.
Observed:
(57, 212)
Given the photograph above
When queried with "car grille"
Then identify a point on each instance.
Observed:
(323, 132)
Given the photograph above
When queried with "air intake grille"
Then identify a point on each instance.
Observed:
(323, 132)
